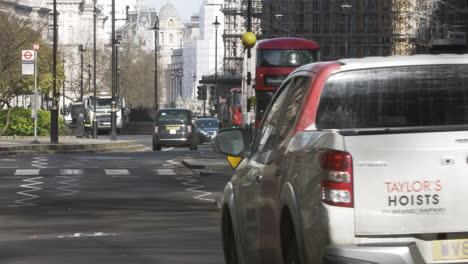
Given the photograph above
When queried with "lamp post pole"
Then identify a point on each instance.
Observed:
(63, 88)
(94, 69)
(54, 112)
(216, 25)
(156, 34)
(89, 77)
(114, 82)
(179, 93)
(81, 50)
(345, 8)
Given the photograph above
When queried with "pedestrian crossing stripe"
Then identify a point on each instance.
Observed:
(27, 172)
(71, 172)
(82, 172)
(116, 172)
(165, 172)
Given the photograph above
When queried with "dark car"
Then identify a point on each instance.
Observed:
(207, 129)
(174, 128)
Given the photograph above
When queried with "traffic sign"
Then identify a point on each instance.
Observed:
(36, 46)
(28, 59)
(28, 55)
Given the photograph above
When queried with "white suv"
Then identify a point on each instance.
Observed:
(356, 161)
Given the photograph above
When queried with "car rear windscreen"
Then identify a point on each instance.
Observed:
(174, 116)
(430, 95)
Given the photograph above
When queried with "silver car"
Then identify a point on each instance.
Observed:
(355, 161)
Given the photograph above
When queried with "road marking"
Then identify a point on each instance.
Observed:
(96, 234)
(168, 149)
(40, 163)
(171, 213)
(32, 182)
(116, 172)
(71, 172)
(69, 185)
(165, 172)
(194, 188)
(27, 172)
(124, 176)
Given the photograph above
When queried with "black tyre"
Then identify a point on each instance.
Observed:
(156, 147)
(229, 242)
(289, 245)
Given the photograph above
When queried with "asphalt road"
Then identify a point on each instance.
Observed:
(108, 208)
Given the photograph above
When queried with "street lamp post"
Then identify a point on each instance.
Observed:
(346, 8)
(54, 112)
(216, 25)
(81, 50)
(114, 82)
(63, 89)
(89, 77)
(119, 74)
(179, 92)
(94, 69)
(156, 28)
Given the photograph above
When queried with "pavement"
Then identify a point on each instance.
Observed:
(23, 146)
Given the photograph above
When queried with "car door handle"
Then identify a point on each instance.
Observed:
(259, 178)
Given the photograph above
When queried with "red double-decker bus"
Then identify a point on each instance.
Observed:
(235, 107)
(273, 60)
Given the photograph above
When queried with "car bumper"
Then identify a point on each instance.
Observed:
(406, 253)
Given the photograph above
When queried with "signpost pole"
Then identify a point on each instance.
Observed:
(34, 105)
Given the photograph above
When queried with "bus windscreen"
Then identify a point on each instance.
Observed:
(286, 57)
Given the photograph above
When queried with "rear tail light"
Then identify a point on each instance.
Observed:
(337, 178)
(189, 129)
(156, 129)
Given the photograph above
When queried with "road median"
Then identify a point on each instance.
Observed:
(23, 146)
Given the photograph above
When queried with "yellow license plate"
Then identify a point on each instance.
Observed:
(172, 128)
(450, 249)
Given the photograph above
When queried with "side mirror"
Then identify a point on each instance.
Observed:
(230, 142)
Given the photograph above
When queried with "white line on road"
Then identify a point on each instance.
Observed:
(116, 172)
(71, 172)
(165, 172)
(32, 182)
(168, 149)
(97, 234)
(171, 213)
(68, 185)
(27, 172)
(194, 188)
(40, 163)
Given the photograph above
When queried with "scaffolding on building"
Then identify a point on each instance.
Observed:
(347, 28)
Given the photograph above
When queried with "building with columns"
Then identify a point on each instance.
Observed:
(170, 39)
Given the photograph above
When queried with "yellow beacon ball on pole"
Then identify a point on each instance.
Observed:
(249, 39)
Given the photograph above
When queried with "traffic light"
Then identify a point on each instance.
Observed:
(201, 92)
(212, 93)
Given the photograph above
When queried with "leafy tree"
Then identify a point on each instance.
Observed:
(17, 35)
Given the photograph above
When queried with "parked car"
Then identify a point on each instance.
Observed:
(355, 161)
(173, 127)
(208, 129)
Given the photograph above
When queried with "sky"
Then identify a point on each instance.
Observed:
(185, 7)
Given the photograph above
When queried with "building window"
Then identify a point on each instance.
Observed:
(162, 37)
(171, 38)
(171, 23)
